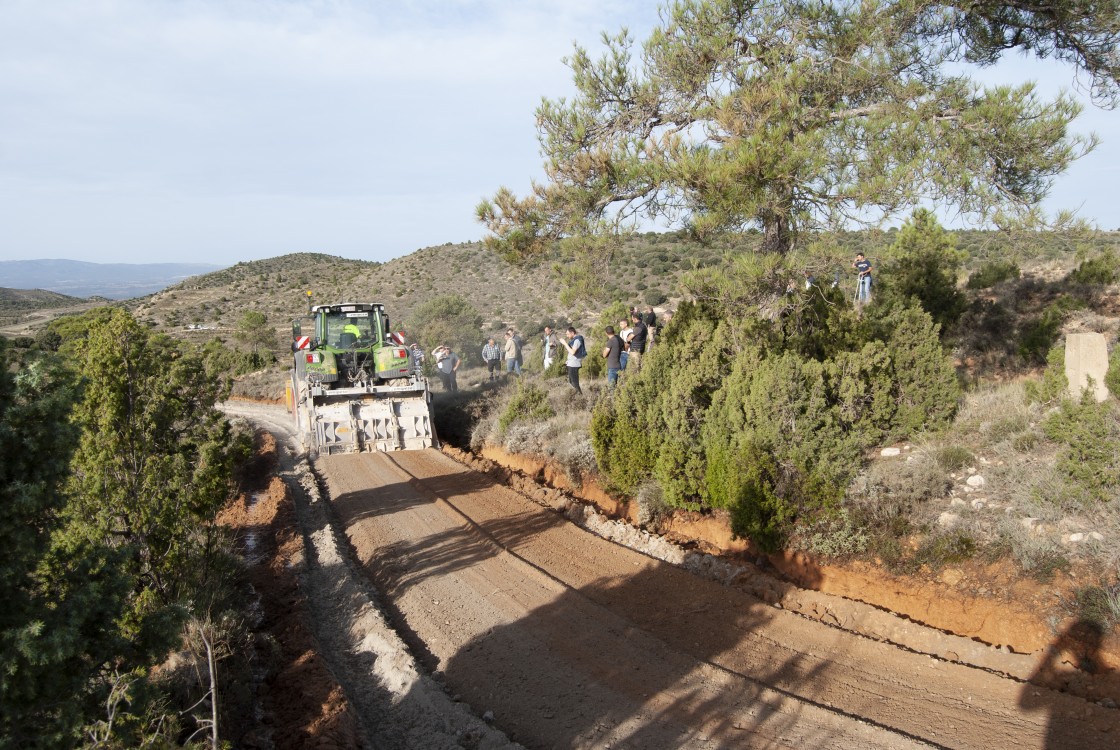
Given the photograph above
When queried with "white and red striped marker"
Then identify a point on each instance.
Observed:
(303, 342)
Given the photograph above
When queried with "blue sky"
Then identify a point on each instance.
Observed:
(227, 130)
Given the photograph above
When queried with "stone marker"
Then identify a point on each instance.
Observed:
(1086, 357)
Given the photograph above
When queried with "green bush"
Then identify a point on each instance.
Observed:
(1038, 334)
(1103, 269)
(923, 263)
(1054, 385)
(1024, 442)
(954, 457)
(938, 550)
(528, 403)
(993, 272)
(1112, 376)
(1090, 437)
(768, 416)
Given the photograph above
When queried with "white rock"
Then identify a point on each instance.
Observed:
(968, 490)
(984, 460)
(890, 452)
(1075, 538)
(948, 520)
(1029, 523)
(1096, 536)
(956, 502)
(970, 470)
(977, 504)
(975, 481)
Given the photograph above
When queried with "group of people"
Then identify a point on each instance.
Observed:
(509, 352)
(862, 267)
(624, 348)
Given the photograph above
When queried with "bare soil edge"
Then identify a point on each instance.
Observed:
(398, 706)
(1023, 646)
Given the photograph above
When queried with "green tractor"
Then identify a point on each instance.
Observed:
(355, 387)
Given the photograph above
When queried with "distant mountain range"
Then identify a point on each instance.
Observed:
(110, 280)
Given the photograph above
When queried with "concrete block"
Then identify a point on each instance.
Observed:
(1086, 357)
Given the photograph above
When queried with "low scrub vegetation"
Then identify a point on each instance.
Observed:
(768, 401)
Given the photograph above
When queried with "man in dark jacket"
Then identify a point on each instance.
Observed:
(637, 342)
(613, 353)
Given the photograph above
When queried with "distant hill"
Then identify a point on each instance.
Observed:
(110, 280)
(18, 300)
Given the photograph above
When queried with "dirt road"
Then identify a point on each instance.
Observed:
(563, 639)
(573, 641)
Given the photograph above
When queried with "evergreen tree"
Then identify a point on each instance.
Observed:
(785, 116)
(1085, 33)
(452, 320)
(151, 468)
(61, 595)
(924, 263)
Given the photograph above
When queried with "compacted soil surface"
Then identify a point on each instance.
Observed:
(451, 610)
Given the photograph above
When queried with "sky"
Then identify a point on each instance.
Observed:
(219, 131)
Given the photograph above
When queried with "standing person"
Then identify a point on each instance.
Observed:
(438, 355)
(637, 342)
(613, 353)
(417, 357)
(492, 356)
(624, 334)
(577, 350)
(448, 367)
(863, 279)
(520, 346)
(550, 343)
(513, 353)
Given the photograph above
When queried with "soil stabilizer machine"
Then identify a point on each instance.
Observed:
(355, 387)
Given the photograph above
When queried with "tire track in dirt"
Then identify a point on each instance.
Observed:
(398, 705)
(571, 641)
(548, 626)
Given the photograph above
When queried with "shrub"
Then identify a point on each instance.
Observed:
(923, 263)
(654, 297)
(837, 535)
(1039, 334)
(993, 272)
(1112, 376)
(1103, 269)
(954, 546)
(528, 403)
(763, 404)
(1098, 606)
(954, 457)
(1090, 436)
(1054, 385)
(651, 504)
(1025, 442)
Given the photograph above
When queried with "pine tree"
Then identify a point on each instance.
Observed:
(787, 117)
(61, 594)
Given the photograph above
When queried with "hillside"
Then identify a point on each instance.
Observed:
(646, 270)
(16, 300)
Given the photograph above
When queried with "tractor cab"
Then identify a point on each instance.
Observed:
(348, 345)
